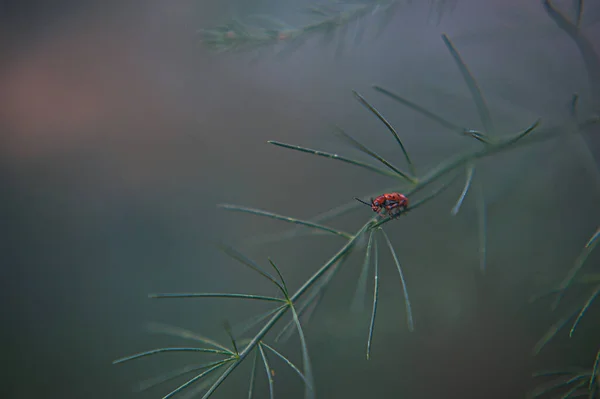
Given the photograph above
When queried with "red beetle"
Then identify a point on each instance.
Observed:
(393, 203)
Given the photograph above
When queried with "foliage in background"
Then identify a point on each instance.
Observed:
(258, 338)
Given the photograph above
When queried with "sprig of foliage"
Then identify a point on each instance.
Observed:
(214, 373)
(329, 17)
(580, 383)
(572, 383)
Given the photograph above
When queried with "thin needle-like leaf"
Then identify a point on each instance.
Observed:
(285, 290)
(584, 309)
(595, 371)
(358, 303)
(254, 321)
(594, 239)
(288, 219)
(552, 331)
(578, 13)
(309, 392)
(409, 317)
(153, 382)
(581, 259)
(336, 157)
(163, 350)
(371, 108)
(524, 133)
(193, 380)
(480, 103)
(570, 392)
(159, 328)
(361, 147)
(485, 139)
(574, 104)
(216, 295)
(553, 373)
(375, 299)
(249, 263)
(422, 110)
(541, 391)
(311, 301)
(470, 170)
(227, 327)
(289, 363)
(482, 218)
(267, 369)
(253, 375)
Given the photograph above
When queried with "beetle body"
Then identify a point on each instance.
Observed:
(392, 203)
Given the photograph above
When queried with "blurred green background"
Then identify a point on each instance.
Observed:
(120, 133)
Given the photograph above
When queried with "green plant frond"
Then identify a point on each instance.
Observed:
(358, 303)
(251, 264)
(579, 263)
(336, 157)
(470, 170)
(263, 355)
(421, 110)
(409, 316)
(269, 31)
(253, 375)
(584, 309)
(159, 328)
(252, 211)
(375, 298)
(375, 112)
(244, 353)
(161, 379)
(480, 103)
(288, 362)
(163, 350)
(216, 295)
(361, 147)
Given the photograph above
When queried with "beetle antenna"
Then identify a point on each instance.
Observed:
(359, 200)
